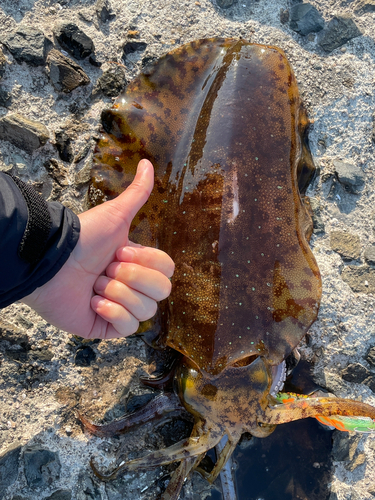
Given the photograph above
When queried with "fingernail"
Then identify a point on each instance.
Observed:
(127, 254)
(98, 301)
(142, 165)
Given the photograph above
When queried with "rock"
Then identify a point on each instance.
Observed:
(284, 16)
(28, 45)
(42, 467)
(2, 64)
(9, 460)
(370, 382)
(87, 489)
(355, 372)
(340, 30)
(370, 356)
(370, 254)
(24, 133)
(349, 175)
(5, 97)
(85, 356)
(104, 11)
(60, 495)
(344, 446)
(364, 7)
(132, 47)
(83, 176)
(361, 279)
(42, 355)
(112, 82)
(224, 4)
(64, 146)
(346, 244)
(305, 19)
(317, 216)
(359, 459)
(64, 73)
(74, 40)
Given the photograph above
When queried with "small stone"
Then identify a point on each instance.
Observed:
(28, 45)
(64, 146)
(5, 97)
(224, 4)
(340, 30)
(42, 467)
(346, 244)
(357, 276)
(9, 460)
(284, 16)
(358, 460)
(370, 254)
(104, 11)
(305, 19)
(317, 216)
(355, 372)
(370, 356)
(112, 82)
(351, 176)
(2, 64)
(68, 430)
(85, 356)
(24, 133)
(364, 7)
(83, 176)
(64, 73)
(74, 40)
(60, 495)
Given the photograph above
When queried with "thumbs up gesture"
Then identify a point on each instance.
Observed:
(108, 284)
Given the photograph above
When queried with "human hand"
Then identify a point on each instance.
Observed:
(108, 284)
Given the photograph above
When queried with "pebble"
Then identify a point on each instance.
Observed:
(27, 45)
(346, 244)
(340, 30)
(112, 82)
(355, 372)
(351, 176)
(26, 134)
(64, 145)
(74, 40)
(65, 74)
(305, 19)
(42, 467)
(104, 11)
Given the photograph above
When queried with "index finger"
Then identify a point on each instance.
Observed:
(152, 258)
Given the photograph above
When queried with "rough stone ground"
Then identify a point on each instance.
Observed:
(44, 453)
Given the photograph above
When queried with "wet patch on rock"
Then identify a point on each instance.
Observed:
(26, 134)
(350, 176)
(27, 45)
(305, 19)
(340, 30)
(74, 40)
(65, 74)
(346, 244)
(42, 467)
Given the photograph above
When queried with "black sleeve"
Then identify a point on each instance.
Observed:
(36, 239)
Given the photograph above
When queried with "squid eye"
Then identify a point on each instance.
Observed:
(245, 361)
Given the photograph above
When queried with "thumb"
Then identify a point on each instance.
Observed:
(136, 195)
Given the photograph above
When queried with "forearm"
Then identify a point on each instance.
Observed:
(36, 239)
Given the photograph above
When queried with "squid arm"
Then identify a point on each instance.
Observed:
(343, 414)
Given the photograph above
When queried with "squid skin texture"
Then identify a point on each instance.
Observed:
(222, 122)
